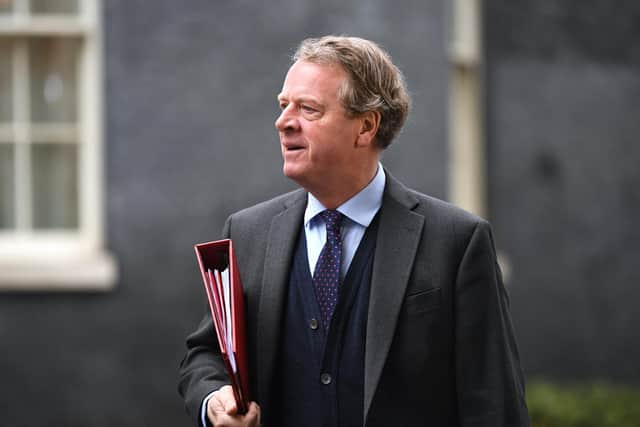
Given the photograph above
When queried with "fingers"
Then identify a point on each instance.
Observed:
(222, 410)
(221, 404)
(227, 399)
(253, 415)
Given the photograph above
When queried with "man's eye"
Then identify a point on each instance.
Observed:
(283, 105)
(308, 109)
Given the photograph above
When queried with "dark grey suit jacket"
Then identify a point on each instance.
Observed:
(440, 349)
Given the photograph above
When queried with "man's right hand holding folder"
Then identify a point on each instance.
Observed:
(222, 410)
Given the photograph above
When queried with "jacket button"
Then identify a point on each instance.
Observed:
(313, 324)
(325, 379)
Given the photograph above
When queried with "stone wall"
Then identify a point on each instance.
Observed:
(563, 102)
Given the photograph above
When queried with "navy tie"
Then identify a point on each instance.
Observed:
(327, 273)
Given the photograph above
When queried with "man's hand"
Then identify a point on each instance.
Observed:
(222, 410)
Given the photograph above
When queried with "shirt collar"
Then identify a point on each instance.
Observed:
(361, 208)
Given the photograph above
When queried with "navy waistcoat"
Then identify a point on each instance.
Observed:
(319, 380)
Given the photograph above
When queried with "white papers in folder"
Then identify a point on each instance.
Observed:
(222, 289)
(226, 291)
(219, 293)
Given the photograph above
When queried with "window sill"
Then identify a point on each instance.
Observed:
(96, 271)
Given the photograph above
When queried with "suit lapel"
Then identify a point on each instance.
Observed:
(398, 236)
(283, 233)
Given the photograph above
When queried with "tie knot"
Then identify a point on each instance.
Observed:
(331, 219)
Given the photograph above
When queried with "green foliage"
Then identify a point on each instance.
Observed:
(583, 405)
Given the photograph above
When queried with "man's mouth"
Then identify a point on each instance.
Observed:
(293, 147)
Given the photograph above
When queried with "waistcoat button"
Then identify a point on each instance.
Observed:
(325, 379)
(313, 324)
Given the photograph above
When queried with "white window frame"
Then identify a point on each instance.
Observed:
(467, 147)
(60, 259)
(467, 171)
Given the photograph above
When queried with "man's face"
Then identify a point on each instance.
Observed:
(317, 138)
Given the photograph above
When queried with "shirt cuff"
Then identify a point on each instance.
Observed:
(203, 411)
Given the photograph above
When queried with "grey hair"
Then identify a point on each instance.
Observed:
(374, 82)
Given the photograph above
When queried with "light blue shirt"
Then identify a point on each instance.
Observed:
(359, 211)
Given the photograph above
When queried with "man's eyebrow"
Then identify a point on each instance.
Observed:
(307, 98)
(303, 98)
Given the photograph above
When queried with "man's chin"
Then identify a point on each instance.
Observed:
(290, 172)
(295, 174)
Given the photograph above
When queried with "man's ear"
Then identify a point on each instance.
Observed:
(369, 123)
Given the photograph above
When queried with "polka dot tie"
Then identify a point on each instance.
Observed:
(327, 274)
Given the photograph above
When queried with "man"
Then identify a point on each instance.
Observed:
(367, 303)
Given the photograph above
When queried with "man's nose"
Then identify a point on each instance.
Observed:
(286, 120)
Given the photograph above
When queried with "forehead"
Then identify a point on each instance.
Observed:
(321, 81)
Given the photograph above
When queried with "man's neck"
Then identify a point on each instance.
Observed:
(336, 195)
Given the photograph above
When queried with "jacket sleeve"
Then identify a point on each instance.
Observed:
(202, 370)
(489, 379)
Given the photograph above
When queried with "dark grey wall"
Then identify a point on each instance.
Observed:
(563, 118)
(190, 102)
(190, 106)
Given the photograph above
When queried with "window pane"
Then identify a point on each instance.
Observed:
(6, 186)
(54, 6)
(53, 79)
(6, 6)
(6, 97)
(55, 185)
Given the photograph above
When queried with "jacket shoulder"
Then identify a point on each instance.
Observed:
(437, 208)
(431, 208)
(447, 221)
(263, 212)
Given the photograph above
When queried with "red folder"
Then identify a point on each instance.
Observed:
(222, 284)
